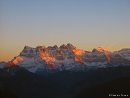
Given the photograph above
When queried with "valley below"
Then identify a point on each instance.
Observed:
(17, 82)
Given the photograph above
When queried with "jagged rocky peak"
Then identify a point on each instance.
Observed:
(31, 52)
(98, 49)
(40, 48)
(28, 51)
(27, 47)
(67, 46)
(70, 46)
(63, 46)
(55, 47)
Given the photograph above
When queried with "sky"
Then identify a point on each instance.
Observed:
(85, 23)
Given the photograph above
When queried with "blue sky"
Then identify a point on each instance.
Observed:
(84, 23)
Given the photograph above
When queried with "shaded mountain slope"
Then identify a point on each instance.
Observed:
(24, 84)
(119, 87)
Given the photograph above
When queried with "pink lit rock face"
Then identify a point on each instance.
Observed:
(69, 57)
(16, 60)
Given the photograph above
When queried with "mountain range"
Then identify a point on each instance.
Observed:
(67, 57)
